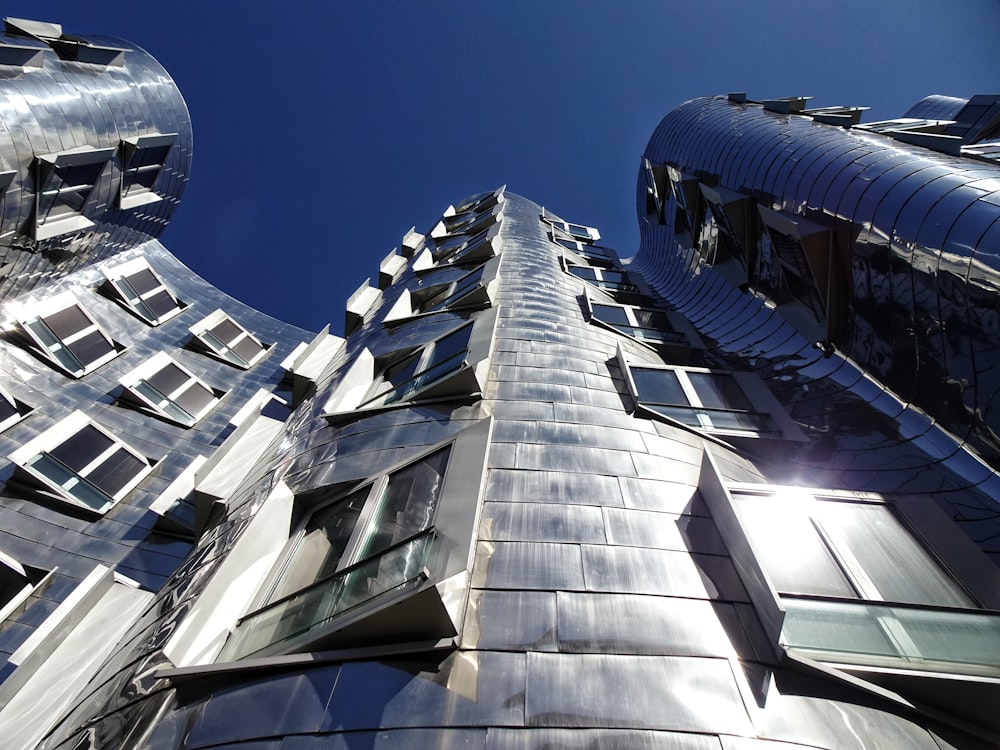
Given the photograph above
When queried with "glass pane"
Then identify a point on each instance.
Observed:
(195, 398)
(449, 346)
(160, 303)
(116, 471)
(226, 331)
(659, 386)
(78, 488)
(834, 626)
(317, 554)
(91, 347)
(54, 346)
(159, 401)
(652, 319)
(718, 391)
(247, 348)
(81, 449)
(611, 314)
(407, 503)
(7, 409)
(143, 281)
(788, 546)
(875, 547)
(169, 379)
(67, 322)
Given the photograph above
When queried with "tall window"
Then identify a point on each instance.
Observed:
(700, 398)
(68, 335)
(228, 340)
(83, 464)
(170, 390)
(143, 291)
(351, 551)
(142, 161)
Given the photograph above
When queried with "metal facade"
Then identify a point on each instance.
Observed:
(515, 506)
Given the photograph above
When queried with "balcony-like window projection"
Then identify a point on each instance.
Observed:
(700, 398)
(466, 292)
(170, 390)
(858, 587)
(64, 182)
(642, 324)
(228, 340)
(68, 335)
(595, 254)
(142, 161)
(616, 282)
(143, 291)
(576, 231)
(357, 549)
(82, 463)
(465, 248)
(404, 378)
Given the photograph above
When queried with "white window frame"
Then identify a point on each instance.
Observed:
(118, 275)
(223, 350)
(588, 253)
(467, 249)
(763, 401)
(37, 312)
(599, 272)
(132, 193)
(574, 231)
(54, 437)
(151, 367)
(46, 170)
(685, 332)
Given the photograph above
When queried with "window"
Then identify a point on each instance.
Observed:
(687, 196)
(618, 283)
(404, 378)
(453, 366)
(63, 183)
(656, 190)
(386, 547)
(67, 335)
(221, 336)
(10, 410)
(593, 254)
(143, 291)
(857, 586)
(462, 248)
(81, 463)
(142, 160)
(169, 390)
(576, 231)
(20, 587)
(473, 291)
(643, 324)
(68, 47)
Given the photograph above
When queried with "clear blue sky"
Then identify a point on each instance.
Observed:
(325, 130)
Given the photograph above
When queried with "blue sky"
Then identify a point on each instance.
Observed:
(324, 131)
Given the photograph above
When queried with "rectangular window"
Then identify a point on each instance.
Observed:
(84, 464)
(406, 377)
(594, 254)
(643, 324)
(465, 248)
(170, 390)
(143, 291)
(142, 160)
(576, 231)
(472, 291)
(228, 340)
(68, 335)
(64, 182)
(710, 400)
(616, 282)
(350, 553)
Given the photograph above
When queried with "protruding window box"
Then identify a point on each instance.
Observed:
(142, 161)
(21, 55)
(473, 291)
(359, 305)
(307, 363)
(66, 335)
(223, 338)
(80, 463)
(64, 182)
(454, 366)
(574, 231)
(662, 330)
(169, 390)
(460, 250)
(137, 286)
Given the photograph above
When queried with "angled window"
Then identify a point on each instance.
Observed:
(221, 336)
(649, 326)
(143, 291)
(473, 291)
(142, 161)
(67, 46)
(574, 231)
(592, 254)
(80, 463)
(858, 587)
(464, 248)
(67, 335)
(687, 197)
(386, 561)
(10, 410)
(169, 390)
(452, 367)
(64, 182)
(617, 283)
(735, 217)
(656, 191)
(20, 587)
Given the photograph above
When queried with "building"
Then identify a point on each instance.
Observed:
(537, 495)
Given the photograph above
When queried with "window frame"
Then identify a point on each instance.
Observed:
(588, 253)
(48, 168)
(118, 275)
(154, 365)
(38, 311)
(56, 436)
(756, 392)
(203, 344)
(20, 412)
(436, 599)
(131, 193)
(631, 290)
(575, 231)
(687, 336)
(410, 302)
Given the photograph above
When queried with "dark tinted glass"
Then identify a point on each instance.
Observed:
(116, 471)
(82, 448)
(91, 347)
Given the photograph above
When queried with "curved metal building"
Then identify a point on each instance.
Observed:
(536, 496)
